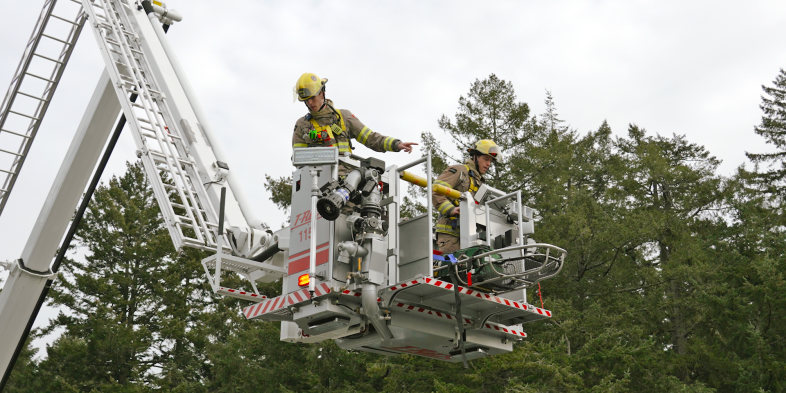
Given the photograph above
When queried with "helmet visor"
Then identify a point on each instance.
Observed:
(304, 91)
(493, 151)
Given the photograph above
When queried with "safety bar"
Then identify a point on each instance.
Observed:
(429, 207)
(519, 247)
(523, 277)
(413, 163)
(422, 182)
(517, 194)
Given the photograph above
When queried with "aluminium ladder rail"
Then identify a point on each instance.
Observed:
(15, 142)
(187, 211)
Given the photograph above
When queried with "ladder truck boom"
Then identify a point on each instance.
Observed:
(351, 268)
(179, 149)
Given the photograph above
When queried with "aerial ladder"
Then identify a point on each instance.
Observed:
(351, 269)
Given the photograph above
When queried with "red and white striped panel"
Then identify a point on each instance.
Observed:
(426, 311)
(471, 292)
(347, 292)
(505, 329)
(350, 293)
(491, 326)
(277, 303)
(236, 293)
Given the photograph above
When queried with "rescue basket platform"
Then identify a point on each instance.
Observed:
(423, 295)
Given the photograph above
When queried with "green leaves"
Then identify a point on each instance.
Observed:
(674, 279)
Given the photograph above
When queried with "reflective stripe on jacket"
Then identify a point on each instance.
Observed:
(462, 177)
(342, 128)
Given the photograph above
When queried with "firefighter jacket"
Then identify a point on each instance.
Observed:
(338, 130)
(461, 178)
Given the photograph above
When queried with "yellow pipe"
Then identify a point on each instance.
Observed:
(422, 182)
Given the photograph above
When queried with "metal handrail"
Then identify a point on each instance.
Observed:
(550, 261)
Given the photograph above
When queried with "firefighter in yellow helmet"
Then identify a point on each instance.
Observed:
(326, 126)
(462, 177)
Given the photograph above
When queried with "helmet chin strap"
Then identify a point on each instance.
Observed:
(324, 102)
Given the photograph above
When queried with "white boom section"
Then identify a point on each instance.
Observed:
(188, 215)
(22, 289)
(177, 168)
(239, 218)
(32, 88)
(210, 137)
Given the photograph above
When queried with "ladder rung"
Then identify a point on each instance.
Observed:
(148, 122)
(22, 114)
(64, 20)
(56, 39)
(48, 58)
(163, 159)
(10, 152)
(30, 95)
(15, 133)
(180, 206)
(151, 136)
(184, 207)
(3, 170)
(39, 77)
(140, 106)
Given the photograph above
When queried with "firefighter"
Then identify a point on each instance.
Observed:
(462, 177)
(326, 126)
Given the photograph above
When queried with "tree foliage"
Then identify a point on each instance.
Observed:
(674, 280)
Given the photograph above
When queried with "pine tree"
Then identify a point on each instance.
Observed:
(489, 111)
(773, 129)
(134, 305)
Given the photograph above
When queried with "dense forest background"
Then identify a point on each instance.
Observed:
(674, 280)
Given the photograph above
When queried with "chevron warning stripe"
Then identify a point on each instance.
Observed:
(471, 292)
(492, 326)
(290, 299)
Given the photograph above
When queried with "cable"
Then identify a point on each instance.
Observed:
(459, 317)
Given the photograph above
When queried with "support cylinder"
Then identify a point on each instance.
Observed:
(422, 182)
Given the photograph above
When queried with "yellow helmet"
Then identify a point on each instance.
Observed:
(486, 147)
(308, 85)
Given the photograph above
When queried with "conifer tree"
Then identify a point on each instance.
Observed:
(772, 177)
(133, 304)
(489, 111)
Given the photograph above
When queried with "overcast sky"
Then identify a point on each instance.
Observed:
(693, 68)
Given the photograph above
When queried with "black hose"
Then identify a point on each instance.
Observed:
(269, 252)
(459, 317)
(148, 7)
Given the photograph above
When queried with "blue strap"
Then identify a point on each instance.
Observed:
(448, 258)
